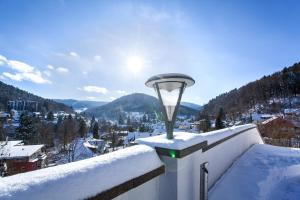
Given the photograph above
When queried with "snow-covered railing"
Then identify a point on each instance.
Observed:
(156, 168)
(187, 151)
(101, 177)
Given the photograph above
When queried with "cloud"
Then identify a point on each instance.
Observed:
(35, 77)
(50, 67)
(74, 54)
(15, 77)
(112, 98)
(3, 60)
(20, 66)
(95, 89)
(122, 92)
(62, 70)
(47, 73)
(97, 58)
(22, 71)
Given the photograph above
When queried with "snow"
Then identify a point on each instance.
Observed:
(183, 140)
(263, 172)
(23, 151)
(82, 179)
(81, 152)
(132, 136)
(13, 149)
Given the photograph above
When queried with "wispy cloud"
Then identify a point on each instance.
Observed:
(35, 77)
(97, 58)
(112, 98)
(3, 60)
(20, 66)
(50, 67)
(22, 71)
(95, 89)
(47, 73)
(73, 54)
(122, 92)
(62, 70)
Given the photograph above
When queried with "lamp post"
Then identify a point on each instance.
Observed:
(169, 88)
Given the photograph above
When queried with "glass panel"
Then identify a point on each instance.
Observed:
(169, 93)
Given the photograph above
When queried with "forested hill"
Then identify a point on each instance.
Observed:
(283, 84)
(11, 93)
(137, 102)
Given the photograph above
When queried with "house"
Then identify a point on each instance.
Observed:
(277, 128)
(95, 145)
(15, 157)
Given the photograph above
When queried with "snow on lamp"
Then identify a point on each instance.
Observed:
(169, 88)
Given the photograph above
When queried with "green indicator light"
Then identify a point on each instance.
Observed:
(173, 154)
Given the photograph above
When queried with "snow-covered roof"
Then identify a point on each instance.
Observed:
(263, 172)
(14, 149)
(291, 110)
(82, 179)
(269, 120)
(183, 140)
(10, 143)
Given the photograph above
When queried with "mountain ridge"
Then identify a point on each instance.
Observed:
(136, 102)
(283, 84)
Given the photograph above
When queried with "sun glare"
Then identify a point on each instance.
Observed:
(135, 64)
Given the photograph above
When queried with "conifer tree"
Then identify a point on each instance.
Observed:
(2, 132)
(82, 128)
(92, 123)
(26, 130)
(95, 130)
(219, 120)
(50, 116)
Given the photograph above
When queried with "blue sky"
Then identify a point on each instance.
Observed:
(101, 50)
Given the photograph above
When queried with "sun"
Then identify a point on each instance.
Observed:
(135, 64)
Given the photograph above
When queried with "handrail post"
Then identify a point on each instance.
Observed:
(203, 181)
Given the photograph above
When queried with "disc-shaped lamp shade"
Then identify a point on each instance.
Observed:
(169, 88)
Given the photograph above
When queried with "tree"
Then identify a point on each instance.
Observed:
(204, 122)
(2, 132)
(142, 128)
(50, 116)
(95, 130)
(128, 121)
(219, 120)
(67, 131)
(45, 132)
(144, 118)
(121, 120)
(26, 130)
(82, 128)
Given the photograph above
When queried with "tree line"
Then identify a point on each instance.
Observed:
(11, 93)
(33, 130)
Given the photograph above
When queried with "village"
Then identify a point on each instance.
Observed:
(60, 137)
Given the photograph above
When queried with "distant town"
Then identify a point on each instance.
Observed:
(32, 140)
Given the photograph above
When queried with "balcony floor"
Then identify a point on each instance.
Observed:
(263, 172)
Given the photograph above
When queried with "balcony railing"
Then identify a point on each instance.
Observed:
(156, 168)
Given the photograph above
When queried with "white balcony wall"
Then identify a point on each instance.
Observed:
(181, 180)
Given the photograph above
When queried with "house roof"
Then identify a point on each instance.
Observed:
(14, 149)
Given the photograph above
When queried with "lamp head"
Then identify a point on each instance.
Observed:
(169, 88)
